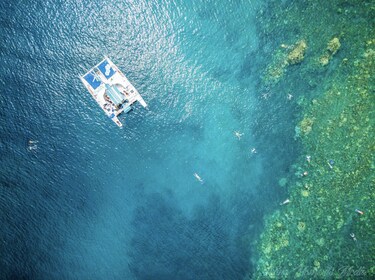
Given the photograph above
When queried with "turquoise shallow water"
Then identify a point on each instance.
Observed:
(97, 202)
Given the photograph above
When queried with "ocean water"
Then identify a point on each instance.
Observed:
(93, 201)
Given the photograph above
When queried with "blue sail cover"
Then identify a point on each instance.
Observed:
(93, 80)
(106, 69)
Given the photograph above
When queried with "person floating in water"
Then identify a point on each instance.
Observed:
(32, 144)
(308, 158)
(198, 177)
(253, 151)
(266, 95)
(34, 147)
(286, 201)
(289, 96)
(238, 134)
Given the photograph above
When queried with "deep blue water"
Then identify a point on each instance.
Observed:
(97, 202)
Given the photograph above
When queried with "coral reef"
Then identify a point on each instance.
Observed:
(344, 121)
(297, 54)
(289, 55)
(324, 59)
(276, 69)
(338, 116)
(316, 264)
(305, 126)
(301, 226)
(305, 193)
(334, 45)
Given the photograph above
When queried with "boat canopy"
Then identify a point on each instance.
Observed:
(114, 94)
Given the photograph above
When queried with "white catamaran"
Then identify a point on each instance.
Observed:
(111, 89)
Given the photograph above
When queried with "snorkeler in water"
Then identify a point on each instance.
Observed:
(32, 144)
(238, 134)
(33, 147)
(198, 177)
(352, 235)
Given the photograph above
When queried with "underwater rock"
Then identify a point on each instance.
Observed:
(283, 182)
(370, 53)
(324, 59)
(305, 193)
(284, 242)
(301, 226)
(267, 250)
(334, 45)
(276, 68)
(282, 59)
(274, 73)
(320, 242)
(305, 126)
(297, 53)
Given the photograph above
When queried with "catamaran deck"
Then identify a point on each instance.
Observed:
(111, 89)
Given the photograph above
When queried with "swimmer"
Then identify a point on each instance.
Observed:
(238, 134)
(198, 177)
(266, 95)
(286, 201)
(32, 144)
(34, 147)
(353, 236)
(253, 151)
(308, 158)
(289, 96)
